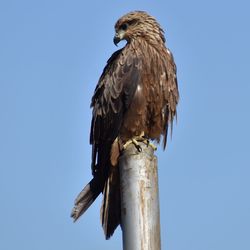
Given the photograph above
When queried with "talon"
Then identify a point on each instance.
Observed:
(140, 138)
(135, 142)
(148, 143)
(138, 147)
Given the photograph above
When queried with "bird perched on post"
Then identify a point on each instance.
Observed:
(135, 99)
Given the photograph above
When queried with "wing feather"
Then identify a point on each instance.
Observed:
(171, 94)
(112, 97)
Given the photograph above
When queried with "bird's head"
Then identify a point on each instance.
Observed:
(138, 24)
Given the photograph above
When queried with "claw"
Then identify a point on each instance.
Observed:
(140, 138)
(138, 147)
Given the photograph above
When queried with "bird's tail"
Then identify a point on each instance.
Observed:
(87, 196)
(111, 205)
(106, 180)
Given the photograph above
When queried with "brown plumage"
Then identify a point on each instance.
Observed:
(137, 92)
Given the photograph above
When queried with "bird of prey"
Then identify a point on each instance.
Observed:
(136, 96)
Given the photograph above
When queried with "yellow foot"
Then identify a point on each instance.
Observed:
(136, 139)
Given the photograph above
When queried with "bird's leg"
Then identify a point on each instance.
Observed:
(135, 142)
(148, 143)
(136, 139)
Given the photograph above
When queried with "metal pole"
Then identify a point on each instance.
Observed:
(139, 199)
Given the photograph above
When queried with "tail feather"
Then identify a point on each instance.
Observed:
(107, 182)
(110, 210)
(87, 196)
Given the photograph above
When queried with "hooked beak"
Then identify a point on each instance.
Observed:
(116, 39)
(119, 35)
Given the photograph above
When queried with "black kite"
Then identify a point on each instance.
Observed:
(136, 95)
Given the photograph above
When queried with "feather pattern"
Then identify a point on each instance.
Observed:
(137, 92)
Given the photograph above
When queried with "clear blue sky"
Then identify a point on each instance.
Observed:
(51, 56)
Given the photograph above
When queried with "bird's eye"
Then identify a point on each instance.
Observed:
(124, 26)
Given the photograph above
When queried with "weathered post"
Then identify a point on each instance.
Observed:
(139, 199)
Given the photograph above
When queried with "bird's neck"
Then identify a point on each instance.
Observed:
(143, 43)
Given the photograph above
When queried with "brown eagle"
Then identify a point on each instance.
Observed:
(136, 96)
